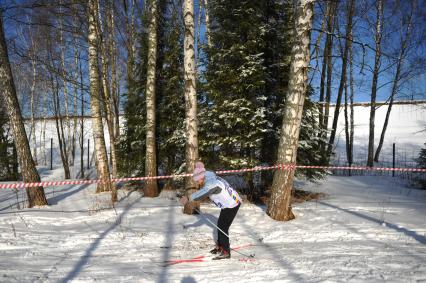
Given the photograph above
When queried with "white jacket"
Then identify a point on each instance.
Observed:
(218, 190)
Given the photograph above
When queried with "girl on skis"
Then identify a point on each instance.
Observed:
(223, 196)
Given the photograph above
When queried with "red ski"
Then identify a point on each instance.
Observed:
(202, 258)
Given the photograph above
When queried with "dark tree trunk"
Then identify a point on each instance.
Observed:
(29, 172)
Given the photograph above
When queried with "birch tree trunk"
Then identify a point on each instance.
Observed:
(326, 73)
(67, 137)
(397, 78)
(378, 40)
(95, 104)
(60, 129)
(190, 102)
(32, 99)
(130, 30)
(33, 124)
(342, 78)
(151, 187)
(279, 207)
(82, 124)
(29, 172)
(114, 88)
(108, 104)
(76, 75)
(207, 14)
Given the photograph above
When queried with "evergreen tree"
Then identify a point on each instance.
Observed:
(244, 88)
(169, 93)
(421, 163)
(245, 81)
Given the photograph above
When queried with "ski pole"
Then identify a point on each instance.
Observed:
(205, 218)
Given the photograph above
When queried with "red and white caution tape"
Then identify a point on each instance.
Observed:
(22, 185)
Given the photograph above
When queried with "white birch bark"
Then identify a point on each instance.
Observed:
(377, 59)
(190, 99)
(151, 187)
(207, 14)
(95, 104)
(279, 207)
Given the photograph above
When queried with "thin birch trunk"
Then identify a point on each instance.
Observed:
(67, 138)
(43, 133)
(151, 187)
(378, 40)
(324, 67)
(60, 129)
(190, 101)
(352, 112)
(75, 104)
(32, 106)
(114, 88)
(342, 83)
(107, 100)
(29, 172)
(279, 207)
(82, 124)
(207, 14)
(326, 74)
(95, 104)
(395, 82)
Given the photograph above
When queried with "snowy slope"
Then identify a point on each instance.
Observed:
(406, 128)
(367, 229)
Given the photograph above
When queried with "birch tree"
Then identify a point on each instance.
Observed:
(107, 98)
(327, 70)
(377, 61)
(343, 76)
(404, 40)
(95, 103)
(151, 187)
(29, 172)
(190, 100)
(207, 19)
(279, 207)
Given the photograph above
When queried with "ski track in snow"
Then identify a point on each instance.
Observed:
(367, 229)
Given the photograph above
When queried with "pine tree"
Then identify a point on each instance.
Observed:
(170, 113)
(421, 163)
(244, 86)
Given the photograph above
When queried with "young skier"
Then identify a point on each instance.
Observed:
(223, 196)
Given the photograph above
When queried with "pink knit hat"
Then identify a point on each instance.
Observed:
(199, 171)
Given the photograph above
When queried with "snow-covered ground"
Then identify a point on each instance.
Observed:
(367, 229)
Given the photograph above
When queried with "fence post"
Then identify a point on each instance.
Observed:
(51, 153)
(393, 159)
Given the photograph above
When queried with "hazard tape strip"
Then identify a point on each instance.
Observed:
(22, 185)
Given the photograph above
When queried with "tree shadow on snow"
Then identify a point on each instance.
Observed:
(202, 220)
(188, 279)
(278, 258)
(89, 252)
(419, 238)
(162, 277)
